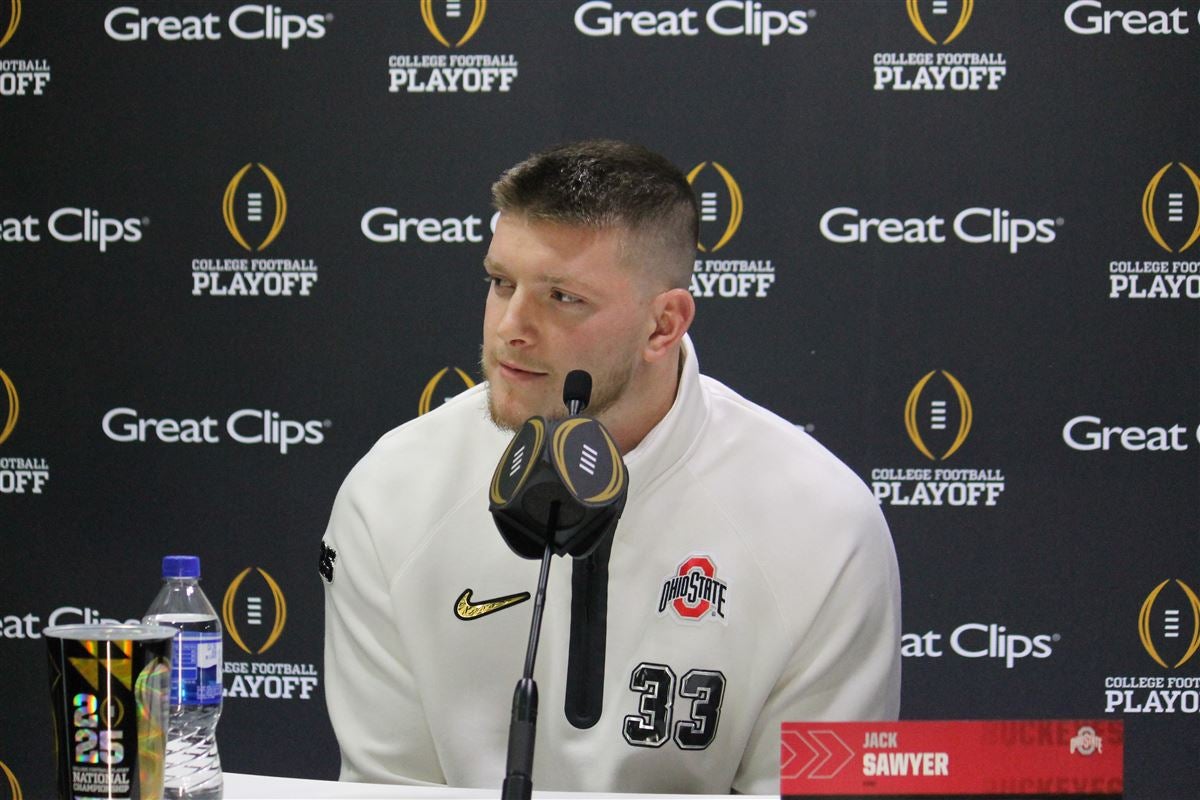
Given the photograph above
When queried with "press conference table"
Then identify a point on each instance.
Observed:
(266, 787)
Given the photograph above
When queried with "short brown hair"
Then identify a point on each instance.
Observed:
(602, 183)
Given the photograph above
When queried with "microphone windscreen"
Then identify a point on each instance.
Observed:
(577, 389)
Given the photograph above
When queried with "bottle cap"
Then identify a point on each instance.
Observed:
(181, 567)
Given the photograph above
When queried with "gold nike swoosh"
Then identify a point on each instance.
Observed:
(466, 610)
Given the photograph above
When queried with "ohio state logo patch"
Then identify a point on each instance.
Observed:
(694, 592)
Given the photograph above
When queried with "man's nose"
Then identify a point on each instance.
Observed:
(518, 324)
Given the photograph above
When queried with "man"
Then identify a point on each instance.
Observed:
(751, 580)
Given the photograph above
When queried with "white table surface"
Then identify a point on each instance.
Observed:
(239, 786)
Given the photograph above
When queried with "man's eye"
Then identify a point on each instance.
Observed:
(497, 283)
(563, 297)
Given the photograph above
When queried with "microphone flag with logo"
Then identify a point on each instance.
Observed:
(573, 463)
(559, 489)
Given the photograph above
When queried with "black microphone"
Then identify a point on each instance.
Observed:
(577, 391)
(572, 464)
(559, 488)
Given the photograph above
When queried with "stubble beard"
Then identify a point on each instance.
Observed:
(607, 389)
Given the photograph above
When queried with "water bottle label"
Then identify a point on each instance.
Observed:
(196, 676)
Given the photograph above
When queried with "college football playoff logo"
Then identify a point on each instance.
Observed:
(1153, 212)
(927, 419)
(452, 12)
(434, 388)
(14, 19)
(14, 788)
(937, 9)
(13, 407)
(1164, 622)
(243, 612)
(710, 203)
(245, 209)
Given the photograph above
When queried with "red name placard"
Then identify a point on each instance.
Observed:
(997, 758)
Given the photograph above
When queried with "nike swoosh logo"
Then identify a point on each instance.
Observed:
(466, 610)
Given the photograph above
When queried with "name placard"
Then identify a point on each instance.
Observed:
(976, 758)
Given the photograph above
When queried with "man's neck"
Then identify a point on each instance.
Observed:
(632, 418)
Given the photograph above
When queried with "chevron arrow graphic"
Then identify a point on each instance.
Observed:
(820, 753)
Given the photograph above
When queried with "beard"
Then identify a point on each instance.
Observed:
(610, 382)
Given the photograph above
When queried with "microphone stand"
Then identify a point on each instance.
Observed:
(522, 728)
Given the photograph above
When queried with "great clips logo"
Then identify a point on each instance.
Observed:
(1170, 212)
(765, 20)
(247, 426)
(250, 22)
(452, 24)
(1093, 17)
(694, 593)
(72, 224)
(974, 225)
(721, 208)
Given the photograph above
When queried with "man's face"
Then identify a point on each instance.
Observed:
(560, 300)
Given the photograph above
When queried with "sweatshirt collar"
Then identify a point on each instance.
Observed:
(675, 434)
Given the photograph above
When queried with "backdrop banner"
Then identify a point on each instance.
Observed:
(958, 242)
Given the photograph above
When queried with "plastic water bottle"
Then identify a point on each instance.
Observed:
(193, 768)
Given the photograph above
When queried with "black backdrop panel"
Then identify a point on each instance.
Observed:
(956, 241)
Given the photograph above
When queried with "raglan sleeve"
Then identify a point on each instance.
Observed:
(846, 662)
(370, 691)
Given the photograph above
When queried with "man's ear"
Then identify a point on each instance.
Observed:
(673, 311)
